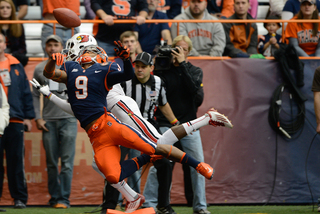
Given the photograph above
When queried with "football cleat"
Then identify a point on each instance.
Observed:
(133, 205)
(217, 119)
(206, 170)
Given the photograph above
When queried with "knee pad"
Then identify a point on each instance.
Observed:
(112, 179)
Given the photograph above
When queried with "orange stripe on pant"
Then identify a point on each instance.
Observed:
(106, 134)
(138, 121)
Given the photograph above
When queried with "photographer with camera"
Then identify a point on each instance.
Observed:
(183, 82)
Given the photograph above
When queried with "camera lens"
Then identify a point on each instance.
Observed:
(175, 49)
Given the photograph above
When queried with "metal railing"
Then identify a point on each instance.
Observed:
(54, 22)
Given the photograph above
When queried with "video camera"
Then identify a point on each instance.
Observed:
(164, 58)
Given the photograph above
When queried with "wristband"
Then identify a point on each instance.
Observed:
(175, 122)
(49, 95)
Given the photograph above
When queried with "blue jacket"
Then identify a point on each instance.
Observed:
(19, 94)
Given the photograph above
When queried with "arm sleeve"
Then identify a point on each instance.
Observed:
(192, 78)
(4, 109)
(36, 103)
(61, 103)
(18, 44)
(164, 26)
(199, 96)
(27, 98)
(89, 12)
(117, 76)
(36, 94)
(300, 51)
(95, 5)
(142, 6)
(22, 43)
(252, 49)
(219, 39)
(174, 29)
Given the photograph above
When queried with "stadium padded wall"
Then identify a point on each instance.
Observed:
(243, 157)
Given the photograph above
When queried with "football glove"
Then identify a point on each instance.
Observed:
(154, 158)
(43, 89)
(59, 58)
(122, 51)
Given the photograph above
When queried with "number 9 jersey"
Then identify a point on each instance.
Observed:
(87, 93)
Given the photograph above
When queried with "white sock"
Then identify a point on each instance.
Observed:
(125, 190)
(196, 124)
(168, 138)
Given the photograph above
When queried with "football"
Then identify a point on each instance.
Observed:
(66, 17)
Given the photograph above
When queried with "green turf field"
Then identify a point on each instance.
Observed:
(179, 210)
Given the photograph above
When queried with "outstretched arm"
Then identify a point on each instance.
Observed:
(50, 70)
(44, 89)
(120, 75)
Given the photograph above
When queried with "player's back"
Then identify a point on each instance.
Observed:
(87, 90)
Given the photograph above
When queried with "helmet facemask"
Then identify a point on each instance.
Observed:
(92, 54)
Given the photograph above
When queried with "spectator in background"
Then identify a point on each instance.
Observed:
(241, 38)
(170, 7)
(59, 132)
(291, 8)
(269, 43)
(89, 12)
(183, 83)
(21, 8)
(129, 39)
(4, 114)
(276, 7)
(47, 14)
(208, 39)
(218, 8)
(4, 110)
(17, 87)
(150, 34)
(14, 33)
(253, 8)
(305, 36)
(108, 32)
